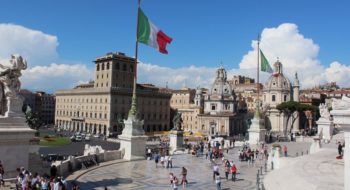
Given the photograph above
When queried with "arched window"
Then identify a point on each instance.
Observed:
(97, 67)
(108, 66)
(102, 67)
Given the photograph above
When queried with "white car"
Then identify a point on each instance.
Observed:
(97, 135)
(78, 138)
(87, 137)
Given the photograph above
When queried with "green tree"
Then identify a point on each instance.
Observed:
(291, 107)
(32, 119)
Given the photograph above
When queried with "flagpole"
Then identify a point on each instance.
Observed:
(133, 109)
(257, 76)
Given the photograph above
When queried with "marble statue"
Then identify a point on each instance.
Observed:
(10, 71)
(177, 121)
(324, 112)
(343, 104)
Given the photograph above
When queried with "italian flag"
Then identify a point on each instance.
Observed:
(264, 64)
(149, 34)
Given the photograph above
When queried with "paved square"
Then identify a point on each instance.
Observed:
(144, 174)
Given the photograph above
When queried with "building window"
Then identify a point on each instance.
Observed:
(124, 67)
(107, 66)
(102, 67)
(131, 69)
(213, 107)
(117, 66)
(97, 67)
(285, 98)
(273, 98)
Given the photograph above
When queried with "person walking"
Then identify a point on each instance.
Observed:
(175, 183)
(227, 170)
(166, 161)
(170, 162)
(233, 172)
(340, 149)
(285, 150)
(218, 181)
(171, 178)
(184, 177)
(156, 160)
(162, 161)
(215, 170)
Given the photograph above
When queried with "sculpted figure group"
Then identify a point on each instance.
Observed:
(10, 71)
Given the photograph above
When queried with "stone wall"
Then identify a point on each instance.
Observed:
(66, 167)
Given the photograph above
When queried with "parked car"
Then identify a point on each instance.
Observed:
(78, 138)
(53, 157)
(97, 135)
(87, 137)
(72, 138)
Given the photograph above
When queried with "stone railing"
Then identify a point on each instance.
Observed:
(73, 163)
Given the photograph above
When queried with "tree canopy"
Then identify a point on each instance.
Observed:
(291, 107)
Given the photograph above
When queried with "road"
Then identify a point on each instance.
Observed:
(76, 148)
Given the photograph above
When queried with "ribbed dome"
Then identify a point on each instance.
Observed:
(221, 86)
(277, 81)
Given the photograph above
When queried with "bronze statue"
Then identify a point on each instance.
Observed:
(177, 122)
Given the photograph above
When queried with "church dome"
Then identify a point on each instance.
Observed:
(199, 91)
(277, 81)
(221, 86)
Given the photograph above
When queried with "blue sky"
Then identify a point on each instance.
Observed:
(204, 32)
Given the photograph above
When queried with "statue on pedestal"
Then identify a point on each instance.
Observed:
(324, 112)
(10, 71)
(177, 122)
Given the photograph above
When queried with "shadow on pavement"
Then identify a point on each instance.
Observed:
(104, 183)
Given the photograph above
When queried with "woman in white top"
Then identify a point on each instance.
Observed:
(162, 161)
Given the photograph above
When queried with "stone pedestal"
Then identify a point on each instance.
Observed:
(14, 107)
(176, 141)
(342, 118)
(15, 138)
(315, 145)
(133, 140)
(325, 129)
(257, 131)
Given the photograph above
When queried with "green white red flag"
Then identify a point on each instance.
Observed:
(149, 34)
(264, 64)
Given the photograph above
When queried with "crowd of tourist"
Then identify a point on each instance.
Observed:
(27, 180)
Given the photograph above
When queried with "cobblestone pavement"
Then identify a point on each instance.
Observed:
(144, 174)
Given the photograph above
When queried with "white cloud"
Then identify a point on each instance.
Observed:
(177, 78)
(55, 76)
(297, 54)
(338, 72)
(38, 48)
(40, 51)
(45, 71)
